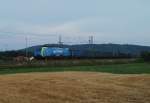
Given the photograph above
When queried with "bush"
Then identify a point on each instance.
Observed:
(145, 56)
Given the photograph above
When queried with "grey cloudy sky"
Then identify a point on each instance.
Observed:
(42, 21)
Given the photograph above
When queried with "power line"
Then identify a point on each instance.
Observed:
(22, 34)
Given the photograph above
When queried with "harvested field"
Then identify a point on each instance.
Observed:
(74, 87)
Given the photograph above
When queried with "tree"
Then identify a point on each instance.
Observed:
(145, 56)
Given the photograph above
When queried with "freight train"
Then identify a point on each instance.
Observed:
(60, 52)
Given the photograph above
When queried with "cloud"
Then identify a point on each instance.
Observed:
(64, 28)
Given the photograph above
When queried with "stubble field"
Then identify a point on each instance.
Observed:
(74, 87)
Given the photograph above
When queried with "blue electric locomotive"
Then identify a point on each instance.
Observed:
(45, 52)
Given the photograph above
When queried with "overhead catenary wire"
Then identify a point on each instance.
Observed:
(39, 39)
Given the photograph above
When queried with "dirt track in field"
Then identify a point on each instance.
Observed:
(74, 87)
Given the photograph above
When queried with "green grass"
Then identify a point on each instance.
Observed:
(133, 68)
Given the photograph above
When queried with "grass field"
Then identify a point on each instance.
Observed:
(74, 87)
(132, 68)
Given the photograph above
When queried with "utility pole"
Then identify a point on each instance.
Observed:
(26, 39)
(60, 40)
(6, 47)
(90, 42)
(91, 39)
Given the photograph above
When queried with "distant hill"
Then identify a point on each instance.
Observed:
(94, 50)
(103, 49)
